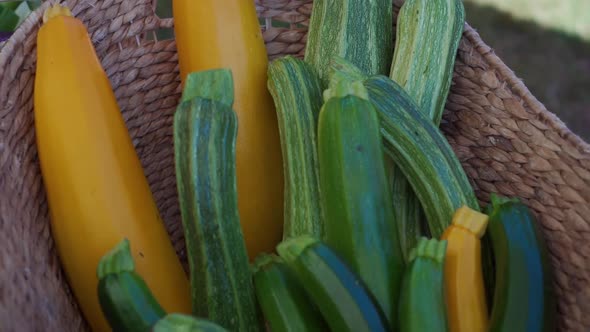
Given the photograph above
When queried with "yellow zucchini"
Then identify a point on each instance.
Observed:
(95, 185)
(213, 34)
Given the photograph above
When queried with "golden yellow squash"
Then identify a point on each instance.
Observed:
(213, 34)
(95, 185)
(464, 284)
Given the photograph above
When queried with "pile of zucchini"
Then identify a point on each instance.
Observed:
(382, 229)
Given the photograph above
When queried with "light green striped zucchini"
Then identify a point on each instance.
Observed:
(428, 35)
(422, 153)
(205, 128)
(357, 30)
(295, 88)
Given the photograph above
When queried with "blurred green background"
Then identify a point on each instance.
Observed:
(545, 42)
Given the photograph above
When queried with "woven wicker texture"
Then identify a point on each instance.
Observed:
(506, 140)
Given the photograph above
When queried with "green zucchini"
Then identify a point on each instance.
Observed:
(186, 323)
(422, 301)
(357, 30)
(428, 35)
(422, 153)
(356, 198)
(282, 299)
(524, 298)
(340, 296)
(124, 297)
(427, 39)
(296, 91)
(205, 128)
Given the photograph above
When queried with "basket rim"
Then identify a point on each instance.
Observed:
(516, 85)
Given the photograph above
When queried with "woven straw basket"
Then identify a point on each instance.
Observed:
(506, 140)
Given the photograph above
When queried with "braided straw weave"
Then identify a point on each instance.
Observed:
(506, 140)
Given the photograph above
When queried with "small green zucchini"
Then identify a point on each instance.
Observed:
(524, 298)
(356, 197)
(422, 300)
(205, 128)
(333, 287)
(295, 88)
(124, 297)
(357, 30)
(185, 323)
(282, 299)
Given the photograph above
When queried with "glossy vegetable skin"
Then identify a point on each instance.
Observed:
(524, 298)
(95, 184)
(464, 283)
(213, 34)
(337, 292)
(355, 197)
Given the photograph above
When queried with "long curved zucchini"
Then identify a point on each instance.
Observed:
(524, 298)
(295, 88)
(282, 299)
(357, 30)
(205, 128)
(337, 292)
(422, 153)
(355, 193)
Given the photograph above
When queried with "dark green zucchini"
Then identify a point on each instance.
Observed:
(282, 299)
(205, 128)
(422, 301)
(124, 297)
(524, 297)
(337, 292)
(186, 323)
(295, 88)
(356, 198)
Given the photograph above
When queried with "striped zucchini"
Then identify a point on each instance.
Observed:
(422, 300)
(282, 299)
(357, 30)
(422, 153)
(295, 88)
(341, 298)
(428, 35)
(205, 128)
(355, 193)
